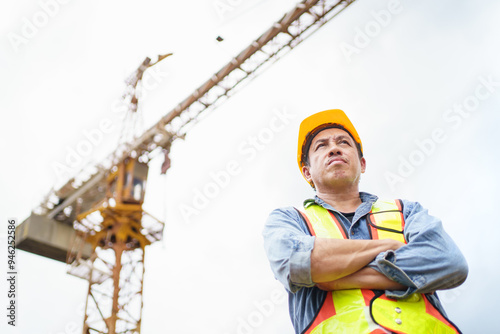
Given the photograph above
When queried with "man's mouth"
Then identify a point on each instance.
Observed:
(335, 161)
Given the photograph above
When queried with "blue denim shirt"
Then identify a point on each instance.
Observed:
(430, 261)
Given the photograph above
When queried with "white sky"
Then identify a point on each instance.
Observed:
(397, 90)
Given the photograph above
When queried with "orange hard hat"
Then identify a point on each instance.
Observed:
(320, 121)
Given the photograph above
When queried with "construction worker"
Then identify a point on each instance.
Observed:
(351, 262)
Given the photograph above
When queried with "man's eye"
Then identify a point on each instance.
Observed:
(319, 145)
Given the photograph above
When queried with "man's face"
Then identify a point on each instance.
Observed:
(333, 160)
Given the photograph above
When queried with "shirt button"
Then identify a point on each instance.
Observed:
(352, 232)
(397, 309)
(398, 321)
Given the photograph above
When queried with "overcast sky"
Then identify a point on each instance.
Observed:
(422, 89)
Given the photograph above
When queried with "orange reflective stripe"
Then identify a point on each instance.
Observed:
(373, 230)
(309, 225)
(367, 296)
(326, 311)
(400, 208)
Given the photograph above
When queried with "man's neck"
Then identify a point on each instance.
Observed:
(343, 201)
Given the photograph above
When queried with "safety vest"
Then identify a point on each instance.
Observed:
(363, 311)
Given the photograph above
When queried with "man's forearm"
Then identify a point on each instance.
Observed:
(332, 259)
(366, 278)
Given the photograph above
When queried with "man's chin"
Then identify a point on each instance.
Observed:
(337, 184)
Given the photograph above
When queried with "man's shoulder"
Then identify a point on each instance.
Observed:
(286, 216)
(286, 210)
(411, 208)
(409, 205)
(294, 211)
(403, 201)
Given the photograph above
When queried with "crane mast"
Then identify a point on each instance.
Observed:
(100, 209)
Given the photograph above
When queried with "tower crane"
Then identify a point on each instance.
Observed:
(95, 221)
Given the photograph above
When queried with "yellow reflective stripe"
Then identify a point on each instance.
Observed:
(386, 214)
(350, 309)
(352, 315)
(408, 316)
(349, 317)
(322, 222)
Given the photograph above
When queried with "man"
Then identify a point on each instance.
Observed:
(353, 263)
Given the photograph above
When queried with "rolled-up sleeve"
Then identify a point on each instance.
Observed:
(430, 261)
(288, 246)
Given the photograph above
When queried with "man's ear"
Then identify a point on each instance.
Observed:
(306, 173)
(363, 165)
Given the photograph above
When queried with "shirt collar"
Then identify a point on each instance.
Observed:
(365, 207)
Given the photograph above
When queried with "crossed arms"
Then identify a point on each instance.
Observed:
(341, 264)
(430, 261)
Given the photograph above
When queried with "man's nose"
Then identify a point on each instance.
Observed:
(334, 150)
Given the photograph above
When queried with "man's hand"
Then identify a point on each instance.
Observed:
(332, 259)
(366, 278)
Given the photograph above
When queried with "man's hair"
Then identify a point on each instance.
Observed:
(310, 137)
